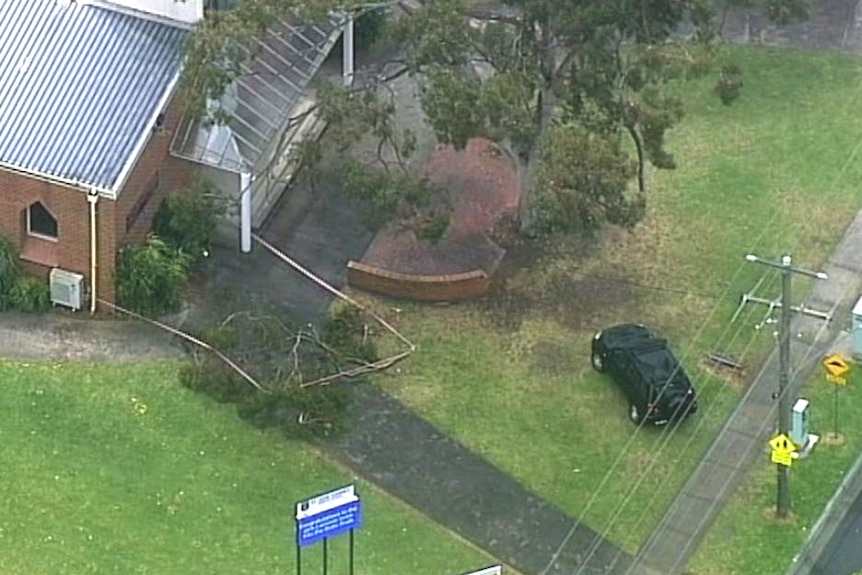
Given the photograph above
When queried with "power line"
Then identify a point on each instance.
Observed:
(851, 157)
(664, 438)
(764, 229)
(624, 451)
(744, 456)
(659, 288)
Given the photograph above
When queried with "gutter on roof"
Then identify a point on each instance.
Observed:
(138, 150)
(142, 15)
(206, 164)
(57, 180)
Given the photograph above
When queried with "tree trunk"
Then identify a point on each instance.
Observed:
(639, 145)
(525, 167)
(526, 161)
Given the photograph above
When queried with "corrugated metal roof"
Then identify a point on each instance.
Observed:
(261, 100)
(80, 85)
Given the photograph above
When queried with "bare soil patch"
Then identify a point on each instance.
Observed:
(735, 378)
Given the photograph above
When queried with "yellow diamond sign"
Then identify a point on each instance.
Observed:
(783, 449)
(836, 365)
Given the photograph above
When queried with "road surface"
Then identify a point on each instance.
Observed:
(843, 554)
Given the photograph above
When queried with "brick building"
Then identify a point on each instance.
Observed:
(91, 134)
(87, 111)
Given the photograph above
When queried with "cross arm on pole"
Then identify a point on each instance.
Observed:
(785, 265)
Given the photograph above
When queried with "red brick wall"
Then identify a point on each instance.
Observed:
(173, 174)
(70, 207)
(449, 287)
(140, 197)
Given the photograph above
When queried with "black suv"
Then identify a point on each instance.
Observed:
(655, 384)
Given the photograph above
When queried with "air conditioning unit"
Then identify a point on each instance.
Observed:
(67, 288)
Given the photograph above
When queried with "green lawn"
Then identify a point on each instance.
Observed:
(118, 469)
(746, 537)
(509, 375)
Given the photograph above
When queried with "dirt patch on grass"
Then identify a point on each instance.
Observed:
(552, 358)
(508, 302)
(565, 279)
(583, 302)
(577, 301)
(834, 438)
(770, 514)
(734, 378)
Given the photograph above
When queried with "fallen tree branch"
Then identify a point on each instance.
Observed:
(373, 367)
(275, 251)
(190, 338)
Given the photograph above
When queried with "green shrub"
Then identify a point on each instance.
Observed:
(186, 221)
(345, 331)
(216, 380)
(10, 272)
(151, 278)
(433, 227)
(729, 86)
(369, 28)
(222, 337)
(385, 196)
(300, 412)
(30, 295)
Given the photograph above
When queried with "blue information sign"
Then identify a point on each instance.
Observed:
(328, 523)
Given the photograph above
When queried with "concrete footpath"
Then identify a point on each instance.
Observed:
(743, 437)
(67, 336)
(409, 458)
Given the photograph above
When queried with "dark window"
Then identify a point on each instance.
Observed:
(142, 201)
(40, 222)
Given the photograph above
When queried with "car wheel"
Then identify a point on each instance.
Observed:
(598, 362)
(634, 413)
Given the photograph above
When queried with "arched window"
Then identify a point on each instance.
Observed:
(40, 222)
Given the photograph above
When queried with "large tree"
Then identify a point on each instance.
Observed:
(550, 78)
(567, 87)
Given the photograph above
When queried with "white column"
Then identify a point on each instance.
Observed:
(245, 190)
(347, 43)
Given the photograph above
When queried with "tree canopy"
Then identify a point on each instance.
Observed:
(568, 88)
(534, 74)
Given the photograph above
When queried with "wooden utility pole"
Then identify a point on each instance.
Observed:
(784, 398)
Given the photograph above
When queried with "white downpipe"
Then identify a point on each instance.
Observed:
(347, 63)
(93, 199)
(245, 184)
